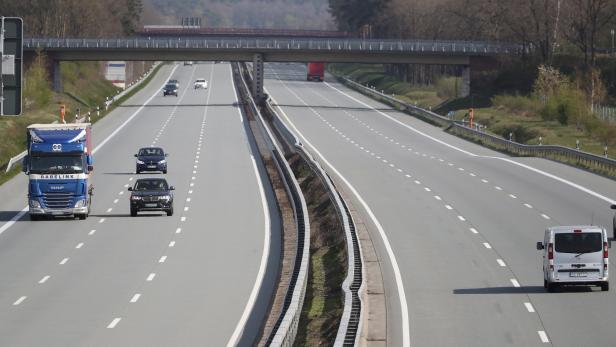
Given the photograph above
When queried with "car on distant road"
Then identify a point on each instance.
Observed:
(176, 83)
(200, 83)
(188, 63)
(575, 255)
(151, 194)
(151, 159)
(170, 89)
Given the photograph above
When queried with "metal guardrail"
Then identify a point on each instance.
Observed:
(593, 162)
(285, 328)
(87, 116)
(274, 44)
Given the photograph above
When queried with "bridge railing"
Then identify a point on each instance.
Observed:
(589, 161)
(264, 44)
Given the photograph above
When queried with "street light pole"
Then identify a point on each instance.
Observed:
(612, 33)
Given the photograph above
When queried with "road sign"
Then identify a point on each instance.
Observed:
(11, 53)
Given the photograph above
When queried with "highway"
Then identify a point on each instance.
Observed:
(454, 224)
(152, 280)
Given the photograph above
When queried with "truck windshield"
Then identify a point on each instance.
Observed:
(56, 164)
(578, 242)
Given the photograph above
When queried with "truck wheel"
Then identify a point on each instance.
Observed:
(545, 284)
(605, 287)
(552, 287)
(82, 216)
(165, 172)
(170, 212)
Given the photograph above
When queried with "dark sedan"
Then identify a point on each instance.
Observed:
(151, 159)
(170, 89)
(151, 194)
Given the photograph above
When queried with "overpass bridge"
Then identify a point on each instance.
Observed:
(271, 49)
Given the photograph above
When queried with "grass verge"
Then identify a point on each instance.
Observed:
(324, 301)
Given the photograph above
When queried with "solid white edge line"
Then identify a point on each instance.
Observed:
(528, 167)
(404, 311)
(25, 209)
(266, 249)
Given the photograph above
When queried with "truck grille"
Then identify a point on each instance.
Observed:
(57, 200)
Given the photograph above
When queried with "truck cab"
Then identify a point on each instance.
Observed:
(59, 166)
(575, 255)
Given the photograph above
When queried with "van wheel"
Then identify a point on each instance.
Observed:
(82, 216)
(170, 212)
(545, 284)
(605, 287)
(552, 287)
(133, 212)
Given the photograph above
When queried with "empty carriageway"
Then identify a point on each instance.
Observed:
(114, 280)
(455, 224)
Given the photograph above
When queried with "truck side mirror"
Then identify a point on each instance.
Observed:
(130, 189)
(172, 188)
(24, 164)
(135, 155)
(166, 154)
(540, 246)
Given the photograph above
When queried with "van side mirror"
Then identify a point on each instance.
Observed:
(172, 188)
(135, 155)
(613, 207)
(166, 154)
(25, 163)
(130, 189)
(540, 246)
(90, 168)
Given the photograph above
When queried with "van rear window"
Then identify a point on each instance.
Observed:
(578, 242)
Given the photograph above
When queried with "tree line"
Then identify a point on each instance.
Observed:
(548, 26)
(75, 18)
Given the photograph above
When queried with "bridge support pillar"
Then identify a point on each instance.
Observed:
(57, 77)
(257, 78)
(465, 86)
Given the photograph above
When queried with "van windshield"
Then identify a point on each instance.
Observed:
(578, 242)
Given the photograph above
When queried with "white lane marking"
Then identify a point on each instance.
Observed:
(545, 216)
(192, 184)
(109, 210)
(185, 208)
(172, 244)
(501, 262)
(450, 164)
(528, 205)
(498, 188)
(130, 178)
(473, 230)
(529, 307)
(460, 169)
(190, 192)
(92, 232)
(448, 207)
(543, 336)
(513, 196)
(462, 219)
(121, 193)
(484, 180)
(472, 174)
(192, 178)
(126, 185)
(116, 201)
(194, 171)
(407, 175)
(487, 245)
(438, 198)
(406, 336)
(79, 245)
(102, 220)
(427, 189)
(162, 259)
(19, 301)
(178, 230)
(135, 298)
(417, 182)
(515, 282)
(150, 277)
(241, 324)
(44, 279)
(114, 322)
(63, 261)
(183, 219)
(187, 199)
(399, 170)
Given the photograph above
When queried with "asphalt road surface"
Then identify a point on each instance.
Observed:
(461, 222)
(152, 280)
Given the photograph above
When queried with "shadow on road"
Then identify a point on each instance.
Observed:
(6, 216)
(123, 215)
(235, 104)
(523, 290)
(328, 107)
(119, 173)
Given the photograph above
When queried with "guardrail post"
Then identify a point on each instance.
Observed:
(605, 151)
(577, 144)
(540, 141)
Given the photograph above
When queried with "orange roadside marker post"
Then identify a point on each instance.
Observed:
(470, 117)
(62, 113)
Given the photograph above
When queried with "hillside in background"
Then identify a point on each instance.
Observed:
(270, 14)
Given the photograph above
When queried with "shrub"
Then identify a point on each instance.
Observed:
(447, 87)
(37, 88)
(516, 103)
(520, 133)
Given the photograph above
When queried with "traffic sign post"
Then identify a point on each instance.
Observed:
(11, 68)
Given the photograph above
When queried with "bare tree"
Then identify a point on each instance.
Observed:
(586, 19)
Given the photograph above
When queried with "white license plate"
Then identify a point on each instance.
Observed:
(151, 205)
(151, 166)
(577, 274)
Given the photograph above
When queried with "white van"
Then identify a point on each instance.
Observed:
(575, 255)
